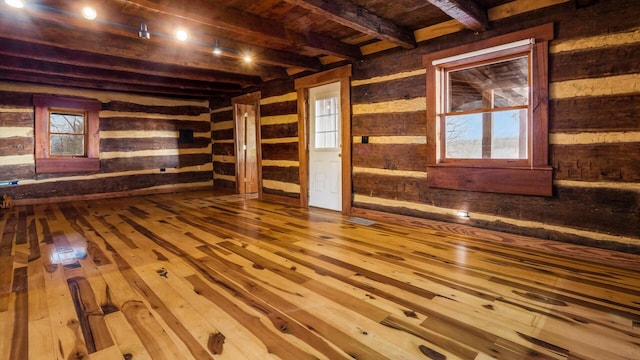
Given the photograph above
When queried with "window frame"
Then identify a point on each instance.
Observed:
(491, 175)
(46, 163)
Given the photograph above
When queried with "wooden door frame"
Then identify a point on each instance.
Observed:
(247, 99)
(343, 75)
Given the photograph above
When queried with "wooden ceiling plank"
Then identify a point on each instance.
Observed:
(358, 18)
(59, 55)
(124, 77)
(468, 12)
(62, 81)
(261, 29)
(89, 41)
(118, 27)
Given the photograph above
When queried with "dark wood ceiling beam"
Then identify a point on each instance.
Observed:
(25, 50)
(261, 29)
(126, 26)
(79, 39)
(100, 76)
(63, 81)
(467, 12)
(358, 18)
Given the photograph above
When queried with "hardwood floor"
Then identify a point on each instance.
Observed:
(197, 276)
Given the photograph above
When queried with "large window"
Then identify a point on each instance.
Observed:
(67, 134)
(487, 115)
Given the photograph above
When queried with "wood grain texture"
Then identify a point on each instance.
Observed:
(199, 276)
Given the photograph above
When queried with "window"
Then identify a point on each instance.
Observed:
(327, 131)
(67, 134)
(487, 115)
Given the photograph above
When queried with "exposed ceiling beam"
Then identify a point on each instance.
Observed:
(126, 26)
(66, 81)
(261, 30)
(467, 12)
(131, 79)
(358, 18)
(82, 40)
(59, 55)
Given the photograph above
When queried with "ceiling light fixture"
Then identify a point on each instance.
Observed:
(182, 35)
(144, 33)
(89, 13)
(216, 48)
(15, 3)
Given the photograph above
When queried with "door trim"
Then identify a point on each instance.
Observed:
(246, 99)
(343, 75)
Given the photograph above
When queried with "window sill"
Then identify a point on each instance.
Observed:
(515, 180)
(72, 165)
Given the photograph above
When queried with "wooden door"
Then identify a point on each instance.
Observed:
(246, 148)
(250, 152)
(325, 164)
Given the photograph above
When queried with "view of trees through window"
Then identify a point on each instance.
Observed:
(67, 134)
(487, 107)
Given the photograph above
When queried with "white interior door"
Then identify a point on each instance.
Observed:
(325, 162)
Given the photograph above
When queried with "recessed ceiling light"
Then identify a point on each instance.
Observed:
(15, 3)
(182, 35)
(89, 13)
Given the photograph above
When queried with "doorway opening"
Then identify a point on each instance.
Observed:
(324, 128)
(325, 147)
(246, 114)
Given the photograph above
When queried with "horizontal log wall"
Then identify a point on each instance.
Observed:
(279, 134)
(594, 132)
(223, 145)
(138, 137)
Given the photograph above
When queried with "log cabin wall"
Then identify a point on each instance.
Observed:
(279, 134)
(279, 142)
(594, 133)
(140, 151)
(223, 144)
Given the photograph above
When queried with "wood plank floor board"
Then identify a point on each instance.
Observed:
(206, 276)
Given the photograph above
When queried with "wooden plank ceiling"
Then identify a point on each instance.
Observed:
(49, 42)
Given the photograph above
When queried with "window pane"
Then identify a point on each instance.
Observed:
(66, 145)
(464, 136)
(489, 86)
(61, 123)
(326, 123)
(490, 135)
(509, 135)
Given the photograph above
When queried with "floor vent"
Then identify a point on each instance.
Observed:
(361, 221)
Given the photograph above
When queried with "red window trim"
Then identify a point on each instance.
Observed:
(536, 179)
(45, 163)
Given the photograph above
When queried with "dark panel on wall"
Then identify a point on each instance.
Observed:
(596, 113)
(284, 151)
(406, 123)
(391, 156)
(279, 131)
(287, 174)
(122, 106)
(404, 88)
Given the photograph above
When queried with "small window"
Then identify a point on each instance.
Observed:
(67, 134)
(327, 132)
(487, 115)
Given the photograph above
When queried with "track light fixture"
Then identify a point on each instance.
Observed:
(216, 48)
(144, 33)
